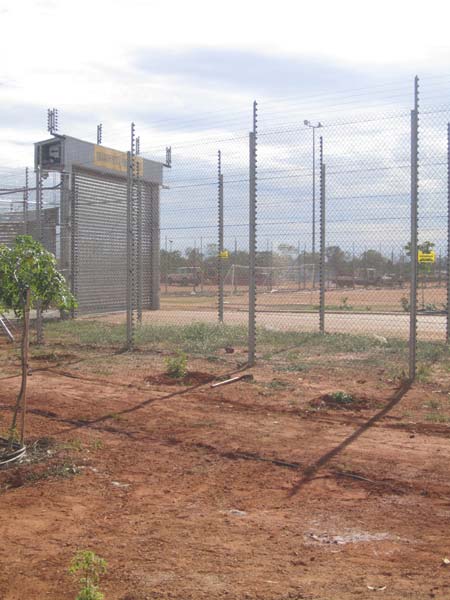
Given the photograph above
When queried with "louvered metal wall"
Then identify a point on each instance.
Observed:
(99, 243)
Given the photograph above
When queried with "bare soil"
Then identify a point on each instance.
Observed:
(260, 490)
(361, 299)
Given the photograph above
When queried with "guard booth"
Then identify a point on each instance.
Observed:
(93, 223)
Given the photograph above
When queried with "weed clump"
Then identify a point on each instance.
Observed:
(341, 397)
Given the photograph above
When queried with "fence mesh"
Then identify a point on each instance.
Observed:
(190, 258)
(333, 234)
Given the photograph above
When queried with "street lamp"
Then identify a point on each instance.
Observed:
(313, 127)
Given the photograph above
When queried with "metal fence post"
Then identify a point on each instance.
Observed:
(38, 204)
(220, 258)
(25, 203)
(130, 278)
(322, 243)
(74, 240)
(414, 231)
(155, 237)
(447, 330)
(252, 242)
(39, 234)
(139, 231)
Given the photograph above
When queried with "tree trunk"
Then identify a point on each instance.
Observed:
(22, 397)
(25, 349)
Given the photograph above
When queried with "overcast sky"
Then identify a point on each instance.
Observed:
(114, 61)
(187, 72)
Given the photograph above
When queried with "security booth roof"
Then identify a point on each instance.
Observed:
(63, 153)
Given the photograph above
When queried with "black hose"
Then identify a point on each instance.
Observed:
(16, 453)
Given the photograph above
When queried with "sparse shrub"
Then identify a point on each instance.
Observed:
(89, 568)
(176, 366)
(436, 417)
(423, 373)
(405, 303)
(278, 384)
(433, 404)
(12, 434)
(431, 307)
(341, 397)
(344, 305)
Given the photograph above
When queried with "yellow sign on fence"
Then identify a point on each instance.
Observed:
(114, 160)
(224, 254)
(426, 257)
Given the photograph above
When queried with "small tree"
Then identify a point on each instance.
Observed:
(28, 276)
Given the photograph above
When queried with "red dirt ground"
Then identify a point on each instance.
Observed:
(260, 490)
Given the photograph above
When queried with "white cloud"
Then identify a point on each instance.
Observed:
(81, 57)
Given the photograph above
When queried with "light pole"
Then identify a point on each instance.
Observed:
(313, 245)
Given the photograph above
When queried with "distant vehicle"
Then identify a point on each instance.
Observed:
(368, 277)
(392, 280)
(185, 276)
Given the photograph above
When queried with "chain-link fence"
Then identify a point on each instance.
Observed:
(349, 273)
(304, 230)
(20, 213)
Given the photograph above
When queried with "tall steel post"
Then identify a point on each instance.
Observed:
(139, 232)
(202, 266)
(130, 255)
(38, 201)
(74, 240)
(414, 230)
(166, 264)
(195, 266)
(40, 237)
(313, 127)
(25, 202)
(220, 257)
(252, 241)
(322, 243)
(447, 332)
(152, 196)
(65, 206)
(234, 282)
(314, 206)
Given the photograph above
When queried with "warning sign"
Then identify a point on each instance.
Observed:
(426, 257)
(224, 254)
(114, 160)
